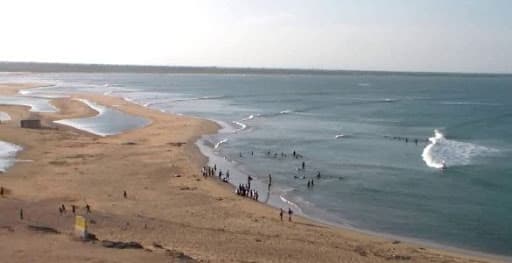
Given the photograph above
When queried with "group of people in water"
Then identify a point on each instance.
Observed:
(208, 171)
(407, 139)
(245, 189)
(283, 155)
(242, 189)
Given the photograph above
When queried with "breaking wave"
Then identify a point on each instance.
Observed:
(452, 153)
(217, 145)
(242, 126)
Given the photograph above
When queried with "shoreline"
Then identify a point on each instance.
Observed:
(375, 247)
(319, 220)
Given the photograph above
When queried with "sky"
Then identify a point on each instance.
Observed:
(394, 35)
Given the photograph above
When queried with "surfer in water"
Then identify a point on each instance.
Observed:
(444, 167)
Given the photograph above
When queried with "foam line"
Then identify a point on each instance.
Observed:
(217, 145)
(8, 153)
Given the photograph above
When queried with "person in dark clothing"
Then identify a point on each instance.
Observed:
(269, 181)
(290, 213)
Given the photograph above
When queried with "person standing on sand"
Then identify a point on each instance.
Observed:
(1, 191)
(88, 208)
(290, 213)
(281, 214)
(125, 195)
(21, 214)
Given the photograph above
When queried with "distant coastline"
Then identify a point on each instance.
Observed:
(50, 67)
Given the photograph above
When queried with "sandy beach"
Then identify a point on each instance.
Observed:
(170, 208)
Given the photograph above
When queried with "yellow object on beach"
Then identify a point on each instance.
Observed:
(81, 226)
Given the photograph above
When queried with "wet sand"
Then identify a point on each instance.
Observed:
(170, 208)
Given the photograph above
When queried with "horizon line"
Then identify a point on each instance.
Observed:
(214, 69)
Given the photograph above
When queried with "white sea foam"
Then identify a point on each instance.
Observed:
(75, 123)
(100, 109)
(43, 92)
(452, 153)
(218, 144)
(7, 155)
(242, 126)
(250, 117)
(25, 92)
(4, 116)
(114, 85)
(470, 103)
(128, 99)
(339, 136)
(197, 98)
(35, 104)
(285, 111)
(297, 209)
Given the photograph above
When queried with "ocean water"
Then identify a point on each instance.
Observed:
(35, 104)
(7, 155)
(379, 142)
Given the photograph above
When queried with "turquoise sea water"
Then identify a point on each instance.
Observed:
(352, 129)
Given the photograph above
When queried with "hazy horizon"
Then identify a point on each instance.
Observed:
(414, 36)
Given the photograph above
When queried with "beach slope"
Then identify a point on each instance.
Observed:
(176, 214)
